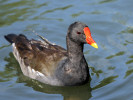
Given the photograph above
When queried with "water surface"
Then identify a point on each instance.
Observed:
(111, 66)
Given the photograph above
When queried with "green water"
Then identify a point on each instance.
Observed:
(111, 66)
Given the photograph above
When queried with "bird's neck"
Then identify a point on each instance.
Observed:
(74, 50)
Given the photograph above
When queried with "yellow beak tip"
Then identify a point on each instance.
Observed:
(94, 45)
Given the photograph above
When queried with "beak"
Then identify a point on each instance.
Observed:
(94, 45)
(89, 39)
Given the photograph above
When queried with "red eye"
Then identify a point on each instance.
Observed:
(78, 32)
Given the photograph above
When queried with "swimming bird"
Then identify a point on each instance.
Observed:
(51, 64)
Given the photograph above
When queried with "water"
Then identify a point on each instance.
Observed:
(111, 24)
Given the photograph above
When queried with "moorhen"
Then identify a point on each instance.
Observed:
(50, 63)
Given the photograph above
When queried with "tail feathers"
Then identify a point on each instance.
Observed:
(21, 42)
(11, 37)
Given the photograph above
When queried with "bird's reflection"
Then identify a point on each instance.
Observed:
(68, 92)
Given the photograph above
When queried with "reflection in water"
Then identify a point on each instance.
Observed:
(69, 93)
(23, 10)
(55, 9)
(111, 68)
(15, 11)
(127, 34)
(9, 71)
(50, 11)
(77, 14)
(129, 72)
(127, 42)
(94, 71)
(106, 1)
(96, 12)
(4, 46)
(129, 62)
(105, 81)
(117, 54)
(120, 18)
(128, 30)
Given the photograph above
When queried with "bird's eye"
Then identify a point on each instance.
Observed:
(78, 32)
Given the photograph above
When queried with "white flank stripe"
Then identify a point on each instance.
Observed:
(40, 74)
(30, 71)
(33, 71)
(14, 45)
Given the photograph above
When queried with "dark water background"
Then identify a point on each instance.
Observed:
(111, 24)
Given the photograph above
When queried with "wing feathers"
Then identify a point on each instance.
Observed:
(41, 56)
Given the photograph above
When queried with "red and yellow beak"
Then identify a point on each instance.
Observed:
(89, 39)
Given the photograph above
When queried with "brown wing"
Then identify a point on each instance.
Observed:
(40, 55)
